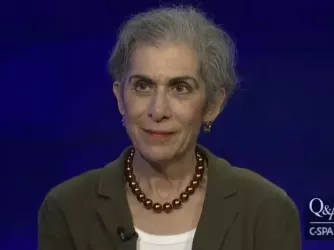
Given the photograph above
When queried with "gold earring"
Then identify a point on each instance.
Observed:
(207, 126)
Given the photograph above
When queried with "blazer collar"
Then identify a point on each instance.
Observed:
(114, 209)
(220, 207)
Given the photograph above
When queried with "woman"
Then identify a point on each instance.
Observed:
(173, 72)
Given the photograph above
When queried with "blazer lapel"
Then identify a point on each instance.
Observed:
(113, 208)
(220, 207)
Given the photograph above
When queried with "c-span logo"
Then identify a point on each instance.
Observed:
(319, 219)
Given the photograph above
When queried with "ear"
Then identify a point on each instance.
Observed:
(215, 106)
(119, 96)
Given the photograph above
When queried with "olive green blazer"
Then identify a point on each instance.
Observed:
(241, 211)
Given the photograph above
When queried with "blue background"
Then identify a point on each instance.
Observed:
(59, 117)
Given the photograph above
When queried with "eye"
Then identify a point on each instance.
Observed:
(181, 88)
(142, 86)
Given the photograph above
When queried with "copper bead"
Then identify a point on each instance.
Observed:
(176, 203)
(136, 190)
(198, 177)
(128, 170)
(194, 183)
(167, 207)
(148, 203)
(141, 197)
(133, 184)
(190, 190)
(184, 196)
(200, 169)
(157, 207)
(130, 178)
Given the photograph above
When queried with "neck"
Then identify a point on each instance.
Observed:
(171, 175)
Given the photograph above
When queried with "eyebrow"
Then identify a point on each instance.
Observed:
(172, 80)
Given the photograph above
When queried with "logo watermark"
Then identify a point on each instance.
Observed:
(319, 219)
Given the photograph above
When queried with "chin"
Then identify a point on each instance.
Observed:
(157, 154)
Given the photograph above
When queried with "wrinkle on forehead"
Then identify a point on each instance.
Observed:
(164, 62)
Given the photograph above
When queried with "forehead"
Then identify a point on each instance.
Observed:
(164, 61)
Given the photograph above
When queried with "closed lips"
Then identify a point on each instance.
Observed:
(155, 132)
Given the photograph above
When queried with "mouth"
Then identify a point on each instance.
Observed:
(154, 134)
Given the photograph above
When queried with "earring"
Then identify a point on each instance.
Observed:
(123, 122)
(207, 126)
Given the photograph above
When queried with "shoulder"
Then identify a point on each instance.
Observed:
(256, 191)
(76, 185)
(265, 192)
(251, 187)
(78, 191)
(87, 187)
(249, 181)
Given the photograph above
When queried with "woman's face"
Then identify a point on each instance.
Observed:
(163, 101)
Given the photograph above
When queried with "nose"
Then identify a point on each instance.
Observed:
(159, 108)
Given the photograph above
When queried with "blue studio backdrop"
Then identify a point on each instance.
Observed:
(59, 117)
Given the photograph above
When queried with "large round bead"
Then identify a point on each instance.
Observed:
(133, 184)
(157, 208)
(148, 203)
(177, 203)
(128, 170)
(167, 207)
(184, 196)
(200, 169)
(194, 183)
(136, 190)
(141, 197)
(198, 177)
(190, 190)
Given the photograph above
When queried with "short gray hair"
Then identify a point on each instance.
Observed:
(214, 47)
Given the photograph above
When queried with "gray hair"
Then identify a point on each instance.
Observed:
(214, 48)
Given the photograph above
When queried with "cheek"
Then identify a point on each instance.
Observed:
(132, 104)
(190, 114)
